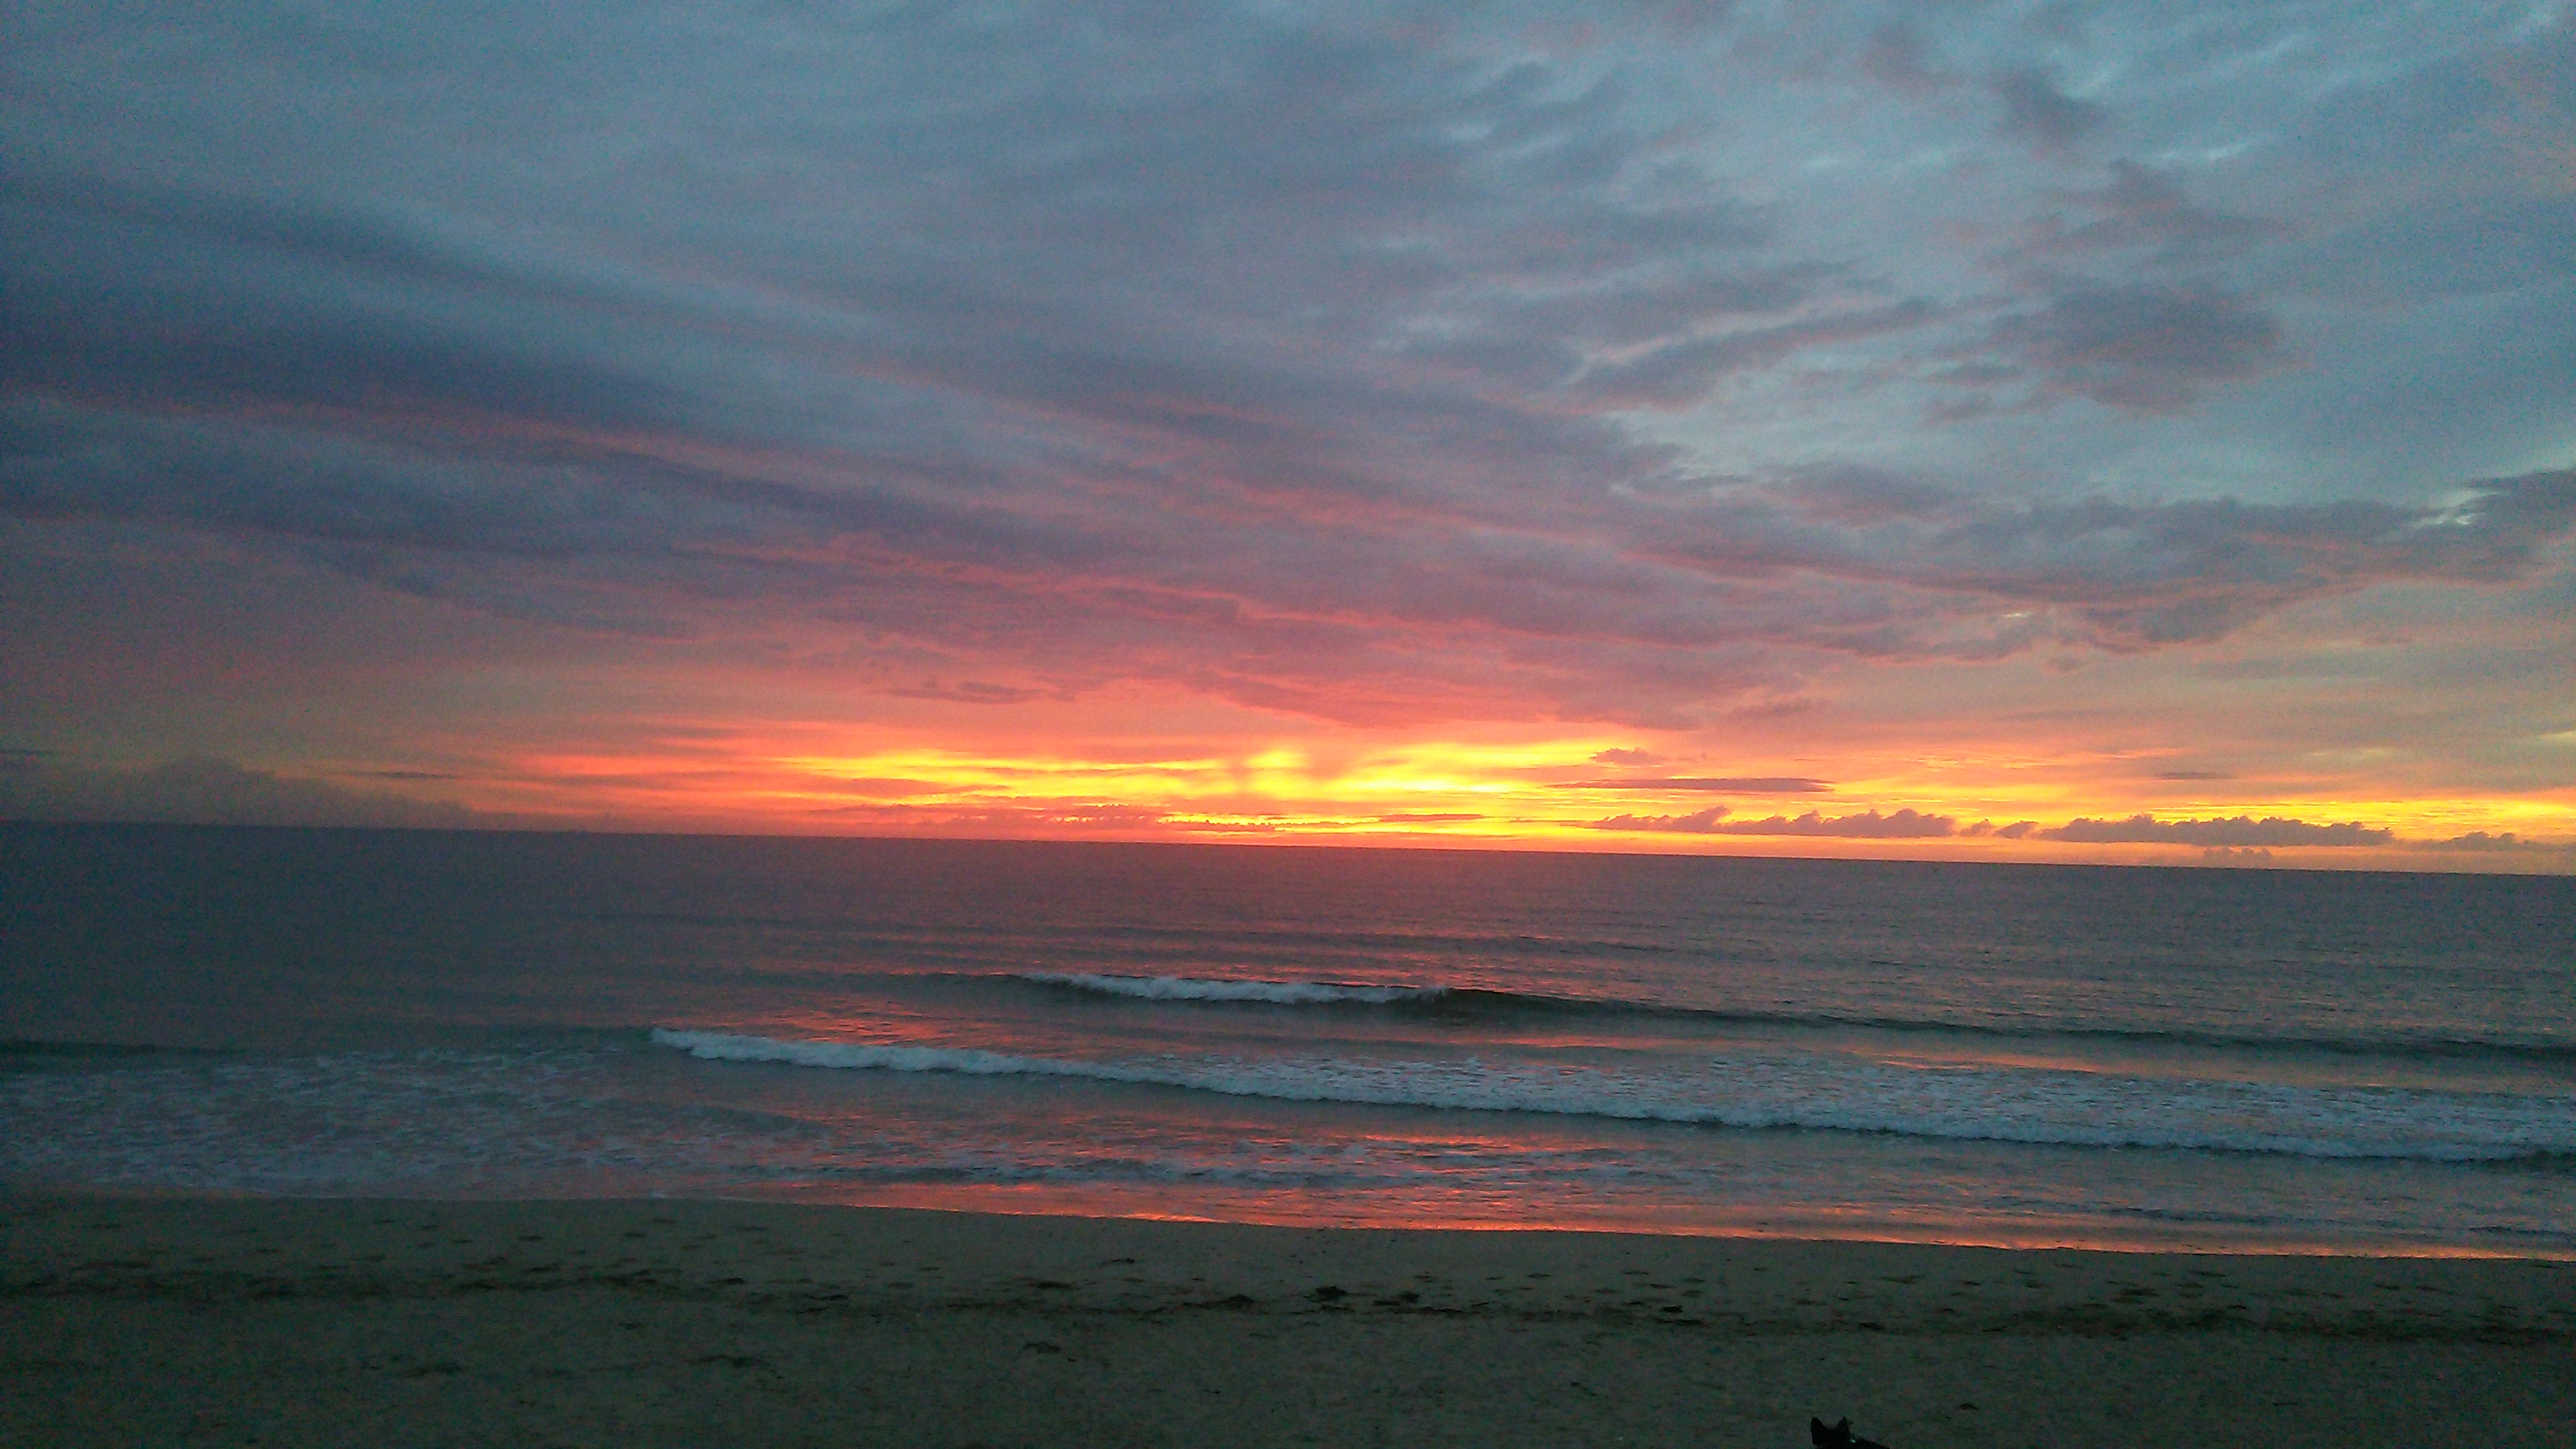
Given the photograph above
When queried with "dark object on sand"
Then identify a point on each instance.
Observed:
(1839, 1436)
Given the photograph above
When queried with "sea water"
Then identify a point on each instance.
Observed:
(1971, 1053)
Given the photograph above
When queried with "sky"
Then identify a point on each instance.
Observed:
(2039, 431)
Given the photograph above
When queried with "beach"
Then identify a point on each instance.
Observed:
(189, 1320)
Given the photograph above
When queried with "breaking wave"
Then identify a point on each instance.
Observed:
(2004, 1104)
(1201, 988)
(1471, 1002)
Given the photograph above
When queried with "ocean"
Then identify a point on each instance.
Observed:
(2009, 1054)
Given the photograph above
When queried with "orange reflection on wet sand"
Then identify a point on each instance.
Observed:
(1162, 1203)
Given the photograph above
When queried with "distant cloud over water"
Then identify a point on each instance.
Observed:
(2240, 831)
(206, 791)
(1866, 825)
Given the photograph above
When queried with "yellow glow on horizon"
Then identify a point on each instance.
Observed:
(1539, 792)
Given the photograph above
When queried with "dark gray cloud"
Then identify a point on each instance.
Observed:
(2035, 109)
(174, 297)
(2240, 831)
(2142, 215)
(1621, 611)
(1866, 825)
(2146, 347)
(2501, 244)
(2127, 576)
(1899, 56)
(2501, 842)
(1640, 758)
(202, 791)
(1699, 822)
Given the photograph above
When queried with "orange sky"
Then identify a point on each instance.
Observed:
(2092, 440)
(1249, 777)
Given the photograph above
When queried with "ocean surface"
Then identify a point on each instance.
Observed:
(1970, 1053)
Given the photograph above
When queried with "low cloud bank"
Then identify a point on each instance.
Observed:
(41, 785)
(2481, 840)
(2240, 831)
(204, 791)
(1728, 784)
(2238, 840)
(1867, 825)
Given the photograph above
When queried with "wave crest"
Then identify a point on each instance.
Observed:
(1204, 988)
(2242, 1119)
(1469, 1003)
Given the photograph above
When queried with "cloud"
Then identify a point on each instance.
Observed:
(1899, 57)
(2241, 831)
(1643, 610)
(2501, 842)
(1628, 757)
(258, 303)
(1700, 822)
(2142, 215)
(991, 820)
(969, 691)
(1857, 497)
(2149, 348)
(203, 791)
(2036, 110)
(2128, 576)
(1725, 784)
(1867, 825)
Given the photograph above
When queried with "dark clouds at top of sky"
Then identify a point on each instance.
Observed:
(1379, 364)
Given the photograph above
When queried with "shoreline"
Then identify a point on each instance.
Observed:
(167, 1318)
(1768, 1226)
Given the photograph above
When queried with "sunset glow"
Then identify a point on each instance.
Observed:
(1553, 794)
(1986, 434)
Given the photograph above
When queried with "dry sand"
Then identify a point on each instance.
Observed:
(180, 1321)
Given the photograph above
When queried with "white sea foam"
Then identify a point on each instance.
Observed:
(1996, 1104)
(1201, 988)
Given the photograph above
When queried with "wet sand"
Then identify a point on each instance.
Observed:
(186, 1321)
